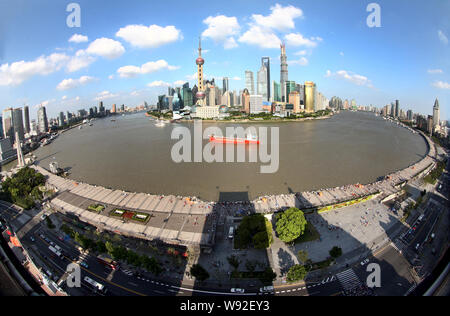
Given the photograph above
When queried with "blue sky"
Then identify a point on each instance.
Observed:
(129, 51)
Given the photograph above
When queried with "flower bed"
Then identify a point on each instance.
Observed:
(131, 215)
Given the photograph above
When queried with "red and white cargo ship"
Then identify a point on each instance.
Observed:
(234, 140)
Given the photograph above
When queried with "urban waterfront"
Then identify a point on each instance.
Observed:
(133, 154)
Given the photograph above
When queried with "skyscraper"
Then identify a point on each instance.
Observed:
(225, 86)
(435, 114)
(8, 128)
(310, 93)
(262, 83)
(249, 82)
(27, 119)
(397, 108)
(276, 93)
(42, 119)
(18, 124)
(284, 73)
(266, 62)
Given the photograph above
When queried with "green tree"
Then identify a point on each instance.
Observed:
(109, 248)
(290, 225)
(268, 276)
(296, 273)
(250, 265)
(199, 272)
(336, 252)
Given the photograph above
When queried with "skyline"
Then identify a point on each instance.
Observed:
(116, 61)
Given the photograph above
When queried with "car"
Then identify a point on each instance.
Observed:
(237, 290)
(364, 262)
(417, 247)
(84, 265)
(32, 239)
(266, 289)
(43, 216)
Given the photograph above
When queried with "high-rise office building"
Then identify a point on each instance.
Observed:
(409, 115)
(8, 128)
(42, 119)
(225, 86)
(397, 109)
(1, 128)
(256, 104)
(61, 119)
(249, 82)
(266, 62)
(294, 99)
(246, 100)
(290, 86)
(261, 88)
(18, 124)
(113, 109)
(283, 73)
(276, 92)
(27, 119)
(310, 93)
(436, 114)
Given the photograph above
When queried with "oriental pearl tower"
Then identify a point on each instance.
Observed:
(201, 87)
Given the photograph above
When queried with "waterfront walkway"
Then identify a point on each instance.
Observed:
(188, 220)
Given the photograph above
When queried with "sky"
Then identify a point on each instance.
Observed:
(128, 52)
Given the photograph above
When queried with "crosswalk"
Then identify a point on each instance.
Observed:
(127, 272)
(399, 245)
(348, 279)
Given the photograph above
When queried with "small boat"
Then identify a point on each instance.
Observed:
(250, 139)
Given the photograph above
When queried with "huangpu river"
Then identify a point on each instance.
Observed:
(133, 154)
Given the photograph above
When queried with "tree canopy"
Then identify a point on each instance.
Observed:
(290, 224)
(254, 229)
(296, 273)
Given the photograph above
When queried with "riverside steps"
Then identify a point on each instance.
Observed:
(191, 221)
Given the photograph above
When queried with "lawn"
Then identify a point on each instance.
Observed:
(98, 208)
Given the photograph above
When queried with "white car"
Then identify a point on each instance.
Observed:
(364, 262)
(266, 289)
(43, 216)
(236, 290)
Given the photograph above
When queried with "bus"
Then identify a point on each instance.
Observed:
(108, 262)
(56, 252)
(94, 285)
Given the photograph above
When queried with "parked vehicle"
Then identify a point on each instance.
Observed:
(237, 290)
(266, 289)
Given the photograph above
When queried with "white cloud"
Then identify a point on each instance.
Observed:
(67, 84)
(81, 60)
(258, 36)
(435, 71)
(18, 72)
(230, 43)
(351, 77)
(77, 38)
(281, 18)
(237, 78)
(301, 53)
(297, 39)
(105, 95)
(106, 47)
(341, 53)
(152, 66)
(159, 83)
(442, 37)
(64, 97)
(179, 82)
(110, 77)
(221, 29)
(149, 37)
(441, 85)
(303, 61)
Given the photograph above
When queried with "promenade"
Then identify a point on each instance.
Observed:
(190, 221)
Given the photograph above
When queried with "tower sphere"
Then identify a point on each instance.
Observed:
(200, 61)
(200, 95)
